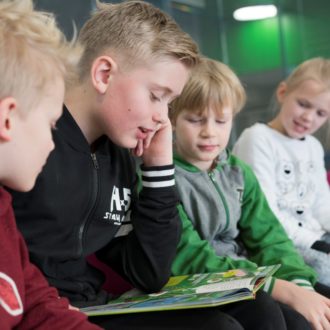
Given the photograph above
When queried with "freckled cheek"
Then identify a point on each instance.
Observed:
(129, 115)
(134, 113)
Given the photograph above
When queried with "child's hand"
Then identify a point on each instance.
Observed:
(73, 308)
(313, 306)
(156, 149)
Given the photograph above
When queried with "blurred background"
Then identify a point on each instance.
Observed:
(262, 52)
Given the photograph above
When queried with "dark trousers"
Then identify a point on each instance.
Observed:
(263, 313)
(188, 319)
(322, 289)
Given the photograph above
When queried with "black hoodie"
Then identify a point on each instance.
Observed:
(85, 203)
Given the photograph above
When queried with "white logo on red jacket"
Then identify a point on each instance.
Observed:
(10, 299)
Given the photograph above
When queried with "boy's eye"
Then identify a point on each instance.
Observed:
(153, 97)
(194, 120)
(221, 121)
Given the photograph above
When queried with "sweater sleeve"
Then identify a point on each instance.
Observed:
(256, 150)
(264, 237)
(146, 255)
(195, 255)
(43, 308)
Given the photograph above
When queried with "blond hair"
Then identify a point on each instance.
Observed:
(135, 31)
(317, 69)
(211, 83)
(32, 51)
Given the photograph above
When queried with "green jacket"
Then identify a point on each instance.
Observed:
(226, 220)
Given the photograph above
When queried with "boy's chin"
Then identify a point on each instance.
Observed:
(125, 143)
(23, 186)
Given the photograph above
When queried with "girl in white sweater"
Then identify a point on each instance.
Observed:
(289, 161)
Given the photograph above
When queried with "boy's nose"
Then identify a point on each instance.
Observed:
(208, 129)
(160, 116)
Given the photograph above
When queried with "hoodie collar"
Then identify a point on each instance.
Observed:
(221, 160)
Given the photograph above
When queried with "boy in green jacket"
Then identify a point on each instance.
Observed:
(222, 198)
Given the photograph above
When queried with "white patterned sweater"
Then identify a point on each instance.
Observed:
(292, 175)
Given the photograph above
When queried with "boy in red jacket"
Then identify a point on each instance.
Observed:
(34, 60)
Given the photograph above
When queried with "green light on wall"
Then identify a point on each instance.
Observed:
(254, 46)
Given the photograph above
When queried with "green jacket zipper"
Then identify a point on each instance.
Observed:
(222, 197)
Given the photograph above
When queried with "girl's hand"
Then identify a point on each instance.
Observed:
(313, 306)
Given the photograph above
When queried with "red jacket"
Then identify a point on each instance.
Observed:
(26, 299)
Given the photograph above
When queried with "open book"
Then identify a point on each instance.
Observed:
(190, 291)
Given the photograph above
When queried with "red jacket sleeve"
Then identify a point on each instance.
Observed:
(43, 308)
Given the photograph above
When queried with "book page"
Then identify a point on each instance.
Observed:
(230, 285)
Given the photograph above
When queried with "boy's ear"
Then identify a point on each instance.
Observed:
(281, 91)
(102, 70)
(7, 106)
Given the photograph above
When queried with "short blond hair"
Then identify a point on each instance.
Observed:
(135, 31)
(32, 51)
(317, 69)
(211, 83)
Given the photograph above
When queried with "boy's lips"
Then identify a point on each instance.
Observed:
(208, 147)
(143, 133)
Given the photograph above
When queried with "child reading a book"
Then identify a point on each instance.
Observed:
(135, 61)
(34, 60)
(289, 162)
(222, 197)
